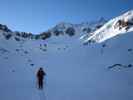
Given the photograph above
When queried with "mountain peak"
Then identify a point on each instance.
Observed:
(4, 28)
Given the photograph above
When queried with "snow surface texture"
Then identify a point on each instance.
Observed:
(116, 26)
(74, 71)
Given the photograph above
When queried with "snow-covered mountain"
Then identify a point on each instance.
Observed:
(116, 26)
(74, 71)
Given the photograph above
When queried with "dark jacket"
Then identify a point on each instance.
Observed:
(41, 74)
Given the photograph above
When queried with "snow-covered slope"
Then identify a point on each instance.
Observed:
(116, 26)
(74, 71)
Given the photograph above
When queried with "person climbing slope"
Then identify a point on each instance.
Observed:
(40, 76)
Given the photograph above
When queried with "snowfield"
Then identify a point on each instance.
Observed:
(75, 71)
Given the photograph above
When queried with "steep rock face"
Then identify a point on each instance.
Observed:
(116, 26)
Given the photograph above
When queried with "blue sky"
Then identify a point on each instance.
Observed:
(39, 15)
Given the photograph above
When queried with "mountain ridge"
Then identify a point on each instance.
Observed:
(61, 28)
